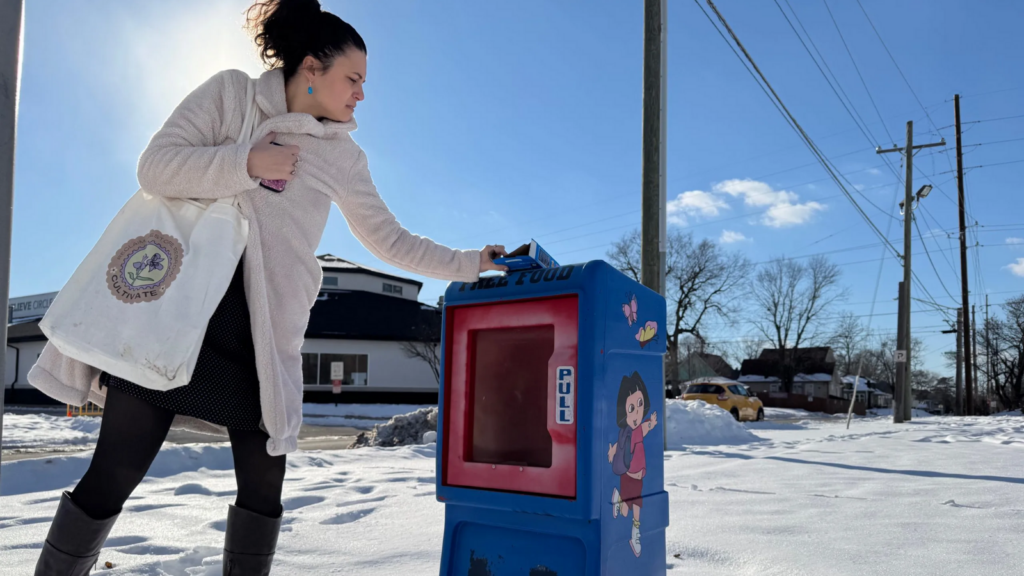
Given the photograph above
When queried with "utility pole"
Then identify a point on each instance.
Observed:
(959, 362)
(898, 399)
(653, 235)
(11, 12)
(651, 207)
(969, 387)
(903, 324)
(988, 361)
(974, 343)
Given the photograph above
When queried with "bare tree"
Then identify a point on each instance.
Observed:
(847, 341)
(426, 345)
(1005, 346)
(702, 280)
(791, 298)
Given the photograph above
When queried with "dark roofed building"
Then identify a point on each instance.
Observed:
(359, 327)
(813, 369)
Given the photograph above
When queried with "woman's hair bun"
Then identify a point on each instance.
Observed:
(286, 31)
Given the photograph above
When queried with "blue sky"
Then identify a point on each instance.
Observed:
(489, 122)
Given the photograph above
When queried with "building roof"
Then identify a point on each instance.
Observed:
(713, 380)
(804, 361)
(332, 263)
(358, 315)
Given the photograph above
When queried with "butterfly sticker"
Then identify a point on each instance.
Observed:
(647, 333)
(629, 309)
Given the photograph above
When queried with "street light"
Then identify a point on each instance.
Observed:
(922, 193)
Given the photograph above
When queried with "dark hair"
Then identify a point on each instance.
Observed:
(286, 31)
(630, 385)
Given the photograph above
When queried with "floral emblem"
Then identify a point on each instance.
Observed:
(144, 268)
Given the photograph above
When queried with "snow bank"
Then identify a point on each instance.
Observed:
(368, 411)
(697, 423)
(24, 431)
(402, 430)
(887, 412)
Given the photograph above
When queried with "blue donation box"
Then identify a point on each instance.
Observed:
(550, 448)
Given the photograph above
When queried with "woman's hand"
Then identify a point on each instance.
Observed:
(487, 256)
(271, 161)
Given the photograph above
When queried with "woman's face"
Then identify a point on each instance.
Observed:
(635, 409)
(340, 89)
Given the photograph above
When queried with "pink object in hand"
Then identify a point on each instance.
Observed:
(274, 185)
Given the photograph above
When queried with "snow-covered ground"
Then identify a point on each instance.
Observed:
(801, 495)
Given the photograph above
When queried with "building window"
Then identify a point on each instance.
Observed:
(331, 281)
(356, 368)
(310, 368)
(392, 289)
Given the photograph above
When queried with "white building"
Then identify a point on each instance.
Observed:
(361, 325)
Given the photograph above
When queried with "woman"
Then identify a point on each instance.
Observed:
(248, 378)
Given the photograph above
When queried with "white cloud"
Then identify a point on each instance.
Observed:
(694, 203)
(859, 187)
(785, 214)
(730, 237)
(1015, 240)
(1017, 268)
(784, 207)
(874, 171)
(754, 193)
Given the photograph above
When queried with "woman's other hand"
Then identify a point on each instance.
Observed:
(271, 161)
(487, 256)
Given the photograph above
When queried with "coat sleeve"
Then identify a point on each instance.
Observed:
(379, 231)
(194, 154)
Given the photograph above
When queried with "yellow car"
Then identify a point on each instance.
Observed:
(730, 396)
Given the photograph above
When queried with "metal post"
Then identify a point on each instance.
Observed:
(662, 157)
(898, 415)
(969, 387)
(959, 362)
(11, 23)
(907, 234)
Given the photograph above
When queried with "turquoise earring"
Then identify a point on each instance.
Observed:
(311, 88)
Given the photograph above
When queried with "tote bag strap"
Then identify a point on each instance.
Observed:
(248, 124)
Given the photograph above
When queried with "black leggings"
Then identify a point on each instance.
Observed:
(131, 434)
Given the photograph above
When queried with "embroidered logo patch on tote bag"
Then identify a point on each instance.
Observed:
(145, 267)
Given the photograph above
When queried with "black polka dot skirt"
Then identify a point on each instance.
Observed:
(224, 388)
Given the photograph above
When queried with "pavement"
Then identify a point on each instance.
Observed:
(311, 437)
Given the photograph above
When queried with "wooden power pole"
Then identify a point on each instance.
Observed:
(974, 345)
(11, 13)
(969, 382)
(652, 204)
(959, 362)
(904, 337)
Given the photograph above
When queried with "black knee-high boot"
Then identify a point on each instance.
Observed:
(249, 542)
(73, 544)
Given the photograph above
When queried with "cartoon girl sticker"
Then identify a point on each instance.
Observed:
(627, 456)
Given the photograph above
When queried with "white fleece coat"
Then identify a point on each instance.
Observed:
(194, 155)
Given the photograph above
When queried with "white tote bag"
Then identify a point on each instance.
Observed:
(138, 305)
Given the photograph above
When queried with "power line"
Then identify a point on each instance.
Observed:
(857, 68)
(826, 164)
(896, 64)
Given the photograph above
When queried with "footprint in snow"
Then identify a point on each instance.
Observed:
(348, 517)
(301, 502)
(363, 501)
(124, 541)
(148, 507)
(363, 489)
(26, 521)
(152, 550)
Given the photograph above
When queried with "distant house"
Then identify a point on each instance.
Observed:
(702, 365)
(814, 372)
(868, 392)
